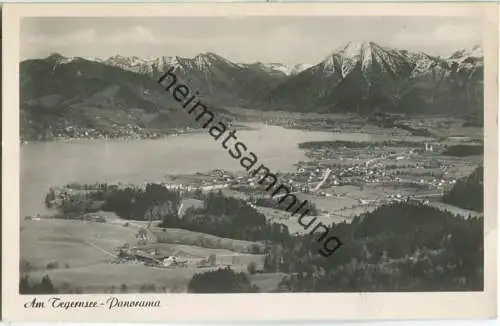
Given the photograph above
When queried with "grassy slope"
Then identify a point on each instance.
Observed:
(64, 241)
(202, 239)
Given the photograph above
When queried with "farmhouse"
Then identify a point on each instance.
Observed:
(94, 217)
(146, 258)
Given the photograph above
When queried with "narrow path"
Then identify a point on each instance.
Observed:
(93, 245)
(101, 249)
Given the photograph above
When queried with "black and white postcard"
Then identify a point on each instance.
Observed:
(249, 162)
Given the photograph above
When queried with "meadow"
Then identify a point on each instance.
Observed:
(78, 254)
(204, 240)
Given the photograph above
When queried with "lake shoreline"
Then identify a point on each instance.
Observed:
(53, 163)
(238, 127)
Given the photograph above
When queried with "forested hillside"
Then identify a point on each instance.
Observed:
(78, 98)
(468, 192)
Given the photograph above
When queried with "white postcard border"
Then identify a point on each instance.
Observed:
(246, 307)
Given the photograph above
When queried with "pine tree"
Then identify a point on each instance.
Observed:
(46, 286)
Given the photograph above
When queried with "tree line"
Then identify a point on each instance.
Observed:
(468, 192)
(271, 203)
(220, 215)
(464, 150)
(227, 217)
(398, 247)
(222, 280)
(405, 246)
(127, 202)
(27, 286)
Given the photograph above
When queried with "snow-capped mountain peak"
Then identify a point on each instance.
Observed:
(206, 60)
(281, 68)
(289, 70)
(202, 62)
(355, 49)
(121, 60)
(474, 52)
(345, 59)
(139, 65)
(467, 59)
(60, 59)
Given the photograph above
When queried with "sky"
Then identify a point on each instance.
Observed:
(289, 40)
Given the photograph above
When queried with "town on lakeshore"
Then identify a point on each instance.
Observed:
(122, 191)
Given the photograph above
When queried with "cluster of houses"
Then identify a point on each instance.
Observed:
(188, 188)
(155, 258)
(310, 174)
(94, 217)
(149, 258)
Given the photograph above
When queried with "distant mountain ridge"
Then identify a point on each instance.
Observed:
(121, 92)
(153, 65)
(74, 97)
(279, 68)
(383, 78)
(365, 76)
(213, 76)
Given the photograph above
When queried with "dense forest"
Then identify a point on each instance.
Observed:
(222, 280)
(45, 286)
(464, 150)
(227, 217)
(398, 247)
(137, 203)
(474, 119)
(127, 202)
(468, 192)
(220, 215)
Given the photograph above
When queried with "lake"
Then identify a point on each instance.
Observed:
(46, 164)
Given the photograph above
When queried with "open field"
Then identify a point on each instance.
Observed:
(68, 241)
(135, 276)
(101, 277)
(195, 254)
(455, 210)
(202, 240)
(83, 251)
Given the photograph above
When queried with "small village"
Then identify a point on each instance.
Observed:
(147, 253)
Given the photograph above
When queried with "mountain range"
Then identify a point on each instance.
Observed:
(154, 65)
(58, 93)
(214, 77)
(365, 76)
(74, 97)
